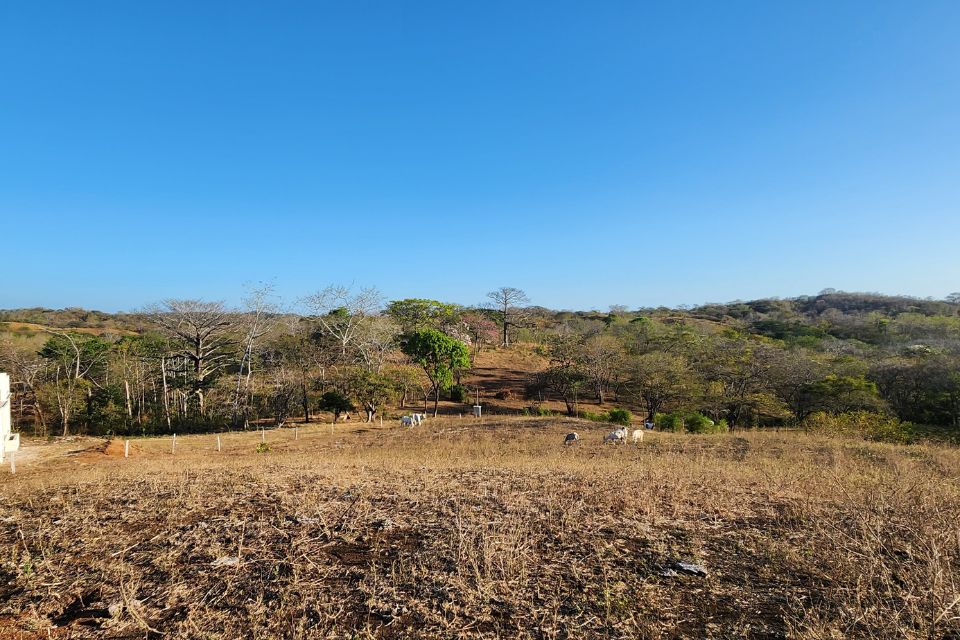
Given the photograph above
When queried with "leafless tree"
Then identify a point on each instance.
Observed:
(74, 356)
(507, 304)
(257, 321)
(204, 332)
(283, 384)
(601, 357)
(27, 369)
(376, 339)
(341, 312)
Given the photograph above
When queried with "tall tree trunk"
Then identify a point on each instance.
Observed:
(652, 408)
(306, 401)
(89, 413)
(63, 405)
(166, 396)
(236, 395)
(43, 422)
(126, 388)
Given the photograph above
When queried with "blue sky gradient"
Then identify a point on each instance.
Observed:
(590, 153)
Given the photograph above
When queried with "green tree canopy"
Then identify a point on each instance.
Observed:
(413, 314)
(369, 388)
(842, 394)
(440, 356)
(335, 402)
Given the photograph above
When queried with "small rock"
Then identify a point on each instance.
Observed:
(692, 569)
(384, 524)
(668, 573)
(115, 609)
(226, 561)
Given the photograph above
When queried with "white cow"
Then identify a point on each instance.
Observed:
(637, 435)
(572, 438)
(616, 436)
(418, 418)
(407, 421)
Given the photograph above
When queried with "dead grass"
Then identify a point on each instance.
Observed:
(28, 328)
(456, 530)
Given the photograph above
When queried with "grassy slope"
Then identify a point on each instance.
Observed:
(462, 530)
(30, 328)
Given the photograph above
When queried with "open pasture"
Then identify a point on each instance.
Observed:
(455, 530)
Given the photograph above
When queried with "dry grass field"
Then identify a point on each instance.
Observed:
(456, 530)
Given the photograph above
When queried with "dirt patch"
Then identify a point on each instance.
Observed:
(117, 449)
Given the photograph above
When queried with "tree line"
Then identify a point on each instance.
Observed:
(185, 365)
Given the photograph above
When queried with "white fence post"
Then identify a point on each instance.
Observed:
(218, 442)
(173, 449)
(126, 448)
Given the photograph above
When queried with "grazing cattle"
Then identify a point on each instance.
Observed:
(637, 435)
(418, 418)
(616, 436)
(407, 421)
(572, 438)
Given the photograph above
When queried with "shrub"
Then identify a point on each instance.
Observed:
(669, 422)
(336, 403)
(698, 423)
(860, 424)
(691, 422)
(619, 416)
(539, 410)
(459, 393)
(615, 416)
(263, 447)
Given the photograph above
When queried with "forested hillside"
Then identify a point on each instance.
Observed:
(880, 365)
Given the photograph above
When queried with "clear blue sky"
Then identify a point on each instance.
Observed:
(591, 153)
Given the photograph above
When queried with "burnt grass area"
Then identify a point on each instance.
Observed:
(491, 538)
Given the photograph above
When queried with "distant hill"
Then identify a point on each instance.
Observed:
(865, 317)
(69, 318)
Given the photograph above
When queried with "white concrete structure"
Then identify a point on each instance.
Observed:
(9, 442)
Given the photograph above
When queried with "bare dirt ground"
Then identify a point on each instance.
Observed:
(457, 530)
